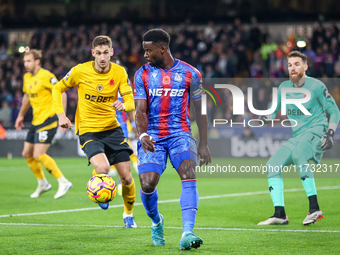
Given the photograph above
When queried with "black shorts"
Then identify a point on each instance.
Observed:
(111, 142)
(44, 132)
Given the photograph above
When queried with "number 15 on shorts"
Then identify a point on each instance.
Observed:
(43, 135)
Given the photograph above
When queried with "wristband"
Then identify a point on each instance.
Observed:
(133, 124)
(144, 134)
(123, 107)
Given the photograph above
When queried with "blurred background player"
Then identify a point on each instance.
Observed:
(164, 127)
(312, 135)
(38, 85)
(101, 137)
(128, 124)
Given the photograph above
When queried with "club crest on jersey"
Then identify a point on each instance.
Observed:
(166, 80)
(178, 77)
(154, 75)
(100, 87)
(53, 80)
(112, 82)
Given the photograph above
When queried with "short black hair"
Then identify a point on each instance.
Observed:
(157, 35)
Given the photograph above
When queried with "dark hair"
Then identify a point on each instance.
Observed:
(37, 54)
(101, 40)
(157, 35)
(296, 53)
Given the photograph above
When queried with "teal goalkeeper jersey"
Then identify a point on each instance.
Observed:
(320, 101)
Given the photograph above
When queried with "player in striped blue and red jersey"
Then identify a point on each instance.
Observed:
(162, 91)
(122, 117)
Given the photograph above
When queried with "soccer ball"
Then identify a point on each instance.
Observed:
(101, 188)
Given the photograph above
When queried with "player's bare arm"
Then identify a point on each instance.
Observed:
(64, 99)
(142, 122)
(19, 122)
(202, 123)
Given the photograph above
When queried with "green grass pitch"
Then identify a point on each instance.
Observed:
(226, 221)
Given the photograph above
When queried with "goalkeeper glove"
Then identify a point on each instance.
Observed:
(265, 119)
(327, 140)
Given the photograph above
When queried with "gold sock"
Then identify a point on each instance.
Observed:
(50, 165)
(129, 196)
(133, 158)
(36, 168)
(94, 172)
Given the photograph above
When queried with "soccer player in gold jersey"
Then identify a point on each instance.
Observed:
(37, 88)
(100, 134)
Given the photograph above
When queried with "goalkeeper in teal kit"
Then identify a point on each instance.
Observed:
(312, 135)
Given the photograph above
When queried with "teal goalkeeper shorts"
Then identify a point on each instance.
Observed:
(313, 137)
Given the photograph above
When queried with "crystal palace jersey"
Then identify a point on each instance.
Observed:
(122, 116)
(39, 91)
(167, 93)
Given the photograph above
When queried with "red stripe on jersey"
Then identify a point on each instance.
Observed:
(164, 111)
(190, 66)
(188, 79)
(190, 180)
(124, 116)
(185, 111)
(145, 78)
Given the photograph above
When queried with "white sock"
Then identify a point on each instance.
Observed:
(42, 182)
(153, 224)
(185, 233)
(62, 179)
(127, 215)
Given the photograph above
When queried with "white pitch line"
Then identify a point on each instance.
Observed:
(164, 201)
(265, 192)
(197, 228)
(25, 168)
(62, 211)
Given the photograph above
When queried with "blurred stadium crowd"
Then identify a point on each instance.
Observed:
(217, 51)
